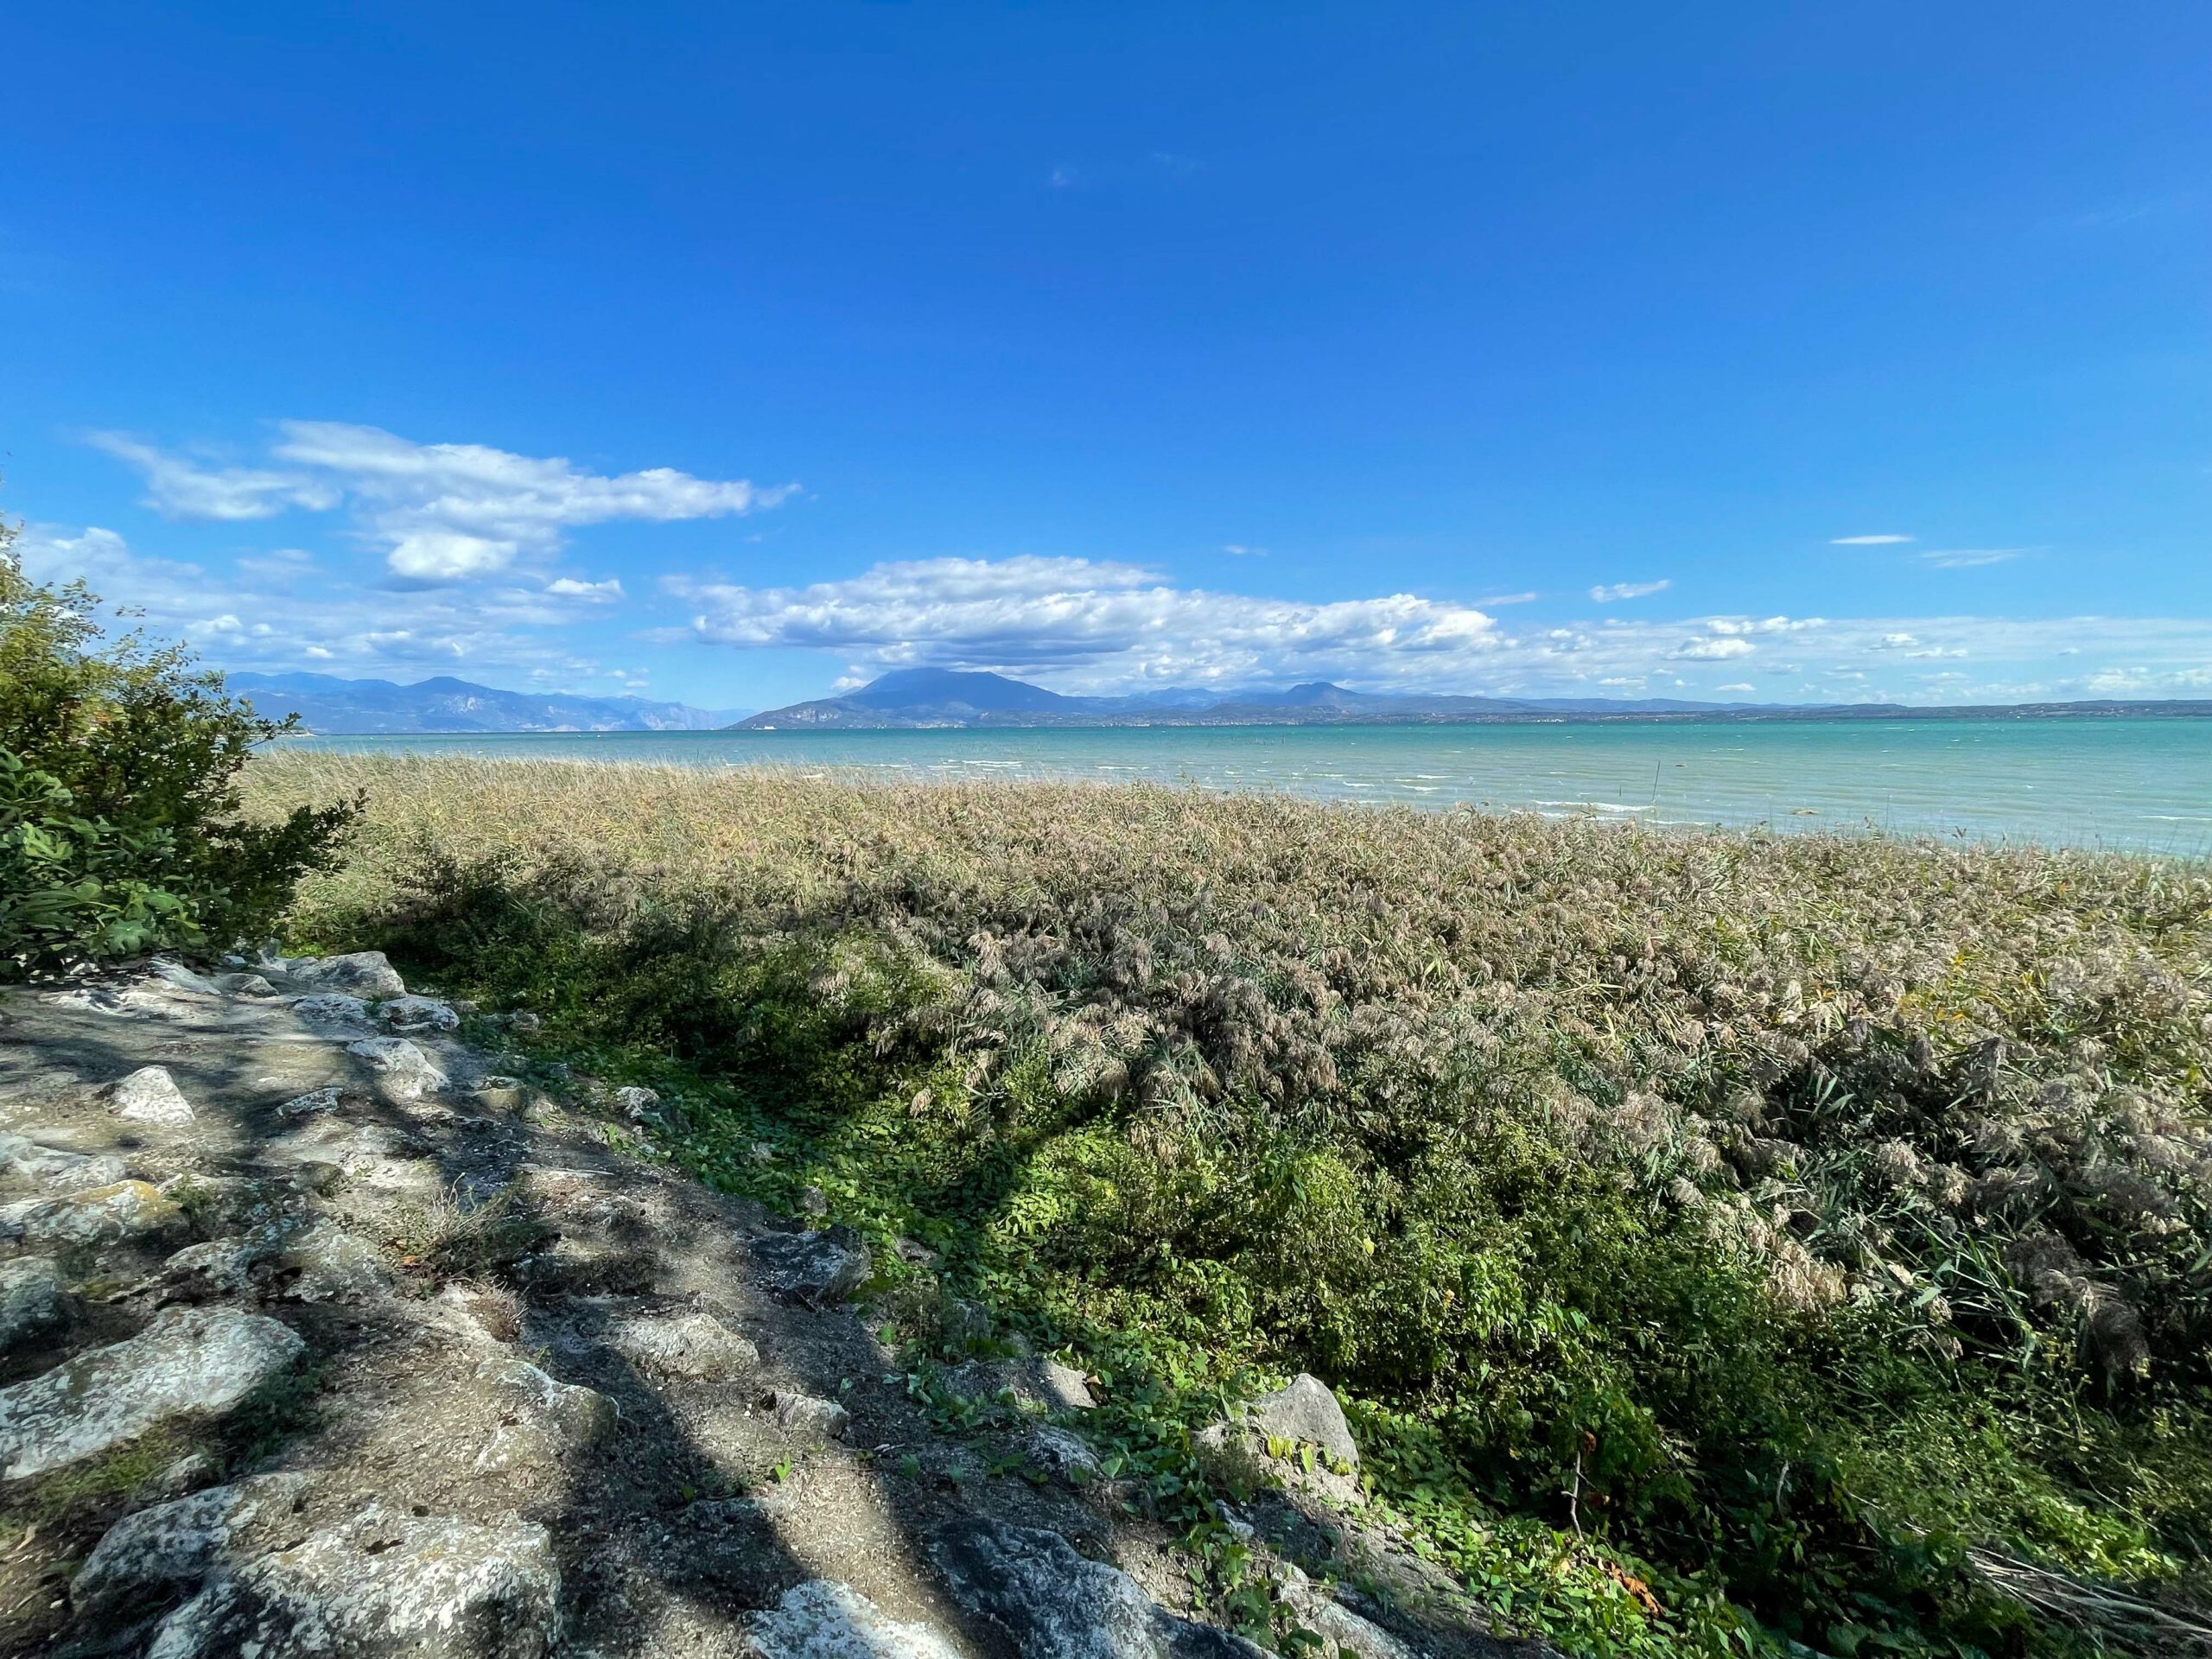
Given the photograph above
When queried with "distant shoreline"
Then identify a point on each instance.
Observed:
(2195, 708)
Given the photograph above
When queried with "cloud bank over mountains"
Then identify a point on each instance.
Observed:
(453, 556)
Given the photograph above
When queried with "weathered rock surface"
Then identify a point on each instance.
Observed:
(681, 1344)
(385, 1584)
(159, 1555)
(56, 1169)
(805, 1415)
(542, 1420)
(1035, 1384)
(401, 1068)
(335, 1010)
(409, 1014)
(816, 1268)
(1065, 1453)
(128, 1212)
(1052, 1603)
(33, 1304)
(190, 1364)
(358, 972)
(149, 1095)
(823, 1619)
(1304, 1410)
(1344, 1634)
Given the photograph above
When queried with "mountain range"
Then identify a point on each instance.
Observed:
(326, 704)
(928, 697)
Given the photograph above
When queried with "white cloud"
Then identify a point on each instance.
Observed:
(1239, 550)
(1606, 593)
(1081, 615)
(1097, 625)
(1739, 685)
(178, 488)
(598, 592)
(1713, 651)
(441, 512)
(1968, 558)
(1868, 541)
(493, 631)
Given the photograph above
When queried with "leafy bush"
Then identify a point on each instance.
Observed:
(119, 830)
(1803, 1228)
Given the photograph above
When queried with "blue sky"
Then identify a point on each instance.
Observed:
(729, 353)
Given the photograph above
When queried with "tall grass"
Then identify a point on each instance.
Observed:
(1786, 1218)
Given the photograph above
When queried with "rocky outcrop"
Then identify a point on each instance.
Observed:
(681, 1344)
(386, 1583)
(1051, 1603)
(358, 972)
(191, 1365)
(33, 1304)
(823, 1619)
(1305, 1411)
(817, 1268)
(159, 1555)
(125, 1213)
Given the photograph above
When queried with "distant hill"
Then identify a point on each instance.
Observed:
(327, 703)
(928, 697)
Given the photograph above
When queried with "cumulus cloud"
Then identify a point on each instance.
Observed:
(1606, 593)
(1715, 650)
(334, 624)
(1101, 626)
(1080, 614)
(440, 512)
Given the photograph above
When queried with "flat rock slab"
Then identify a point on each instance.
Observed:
(383, 1585)
(695, 1344)
(816, 1268)
(164, 1553)
(190, 1364)
(127, 1212)
(1053, 1604)
(823, 1619)
(56, 1169)
(541, 1420)
(407, 1014)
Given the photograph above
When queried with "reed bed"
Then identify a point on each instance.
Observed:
(1786, 1222)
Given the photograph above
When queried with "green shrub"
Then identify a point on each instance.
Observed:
(119, 830)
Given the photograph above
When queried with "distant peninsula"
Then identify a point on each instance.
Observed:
(927, 698)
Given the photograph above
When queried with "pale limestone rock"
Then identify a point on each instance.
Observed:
(56, 1169)
(408, 1014)
(805, 1415)
(149, 1095)
(360, 973)
(542, 1420)
(823, 1619)
(1052, 1603)
(681, 1344)
(382, 1585)
(1304, 1410)
(125, 1212)
(160, 1553)
(190, 1364)
(402, 1069)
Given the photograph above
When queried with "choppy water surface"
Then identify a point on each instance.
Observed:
(2137, 784)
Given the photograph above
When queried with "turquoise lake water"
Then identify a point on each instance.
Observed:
(2144, 784)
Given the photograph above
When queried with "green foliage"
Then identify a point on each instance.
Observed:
(119, 830)
(1721, 1239)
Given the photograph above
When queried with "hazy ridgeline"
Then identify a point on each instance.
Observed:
(1790, 1214)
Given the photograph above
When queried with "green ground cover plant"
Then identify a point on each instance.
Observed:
(1722, 1240)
